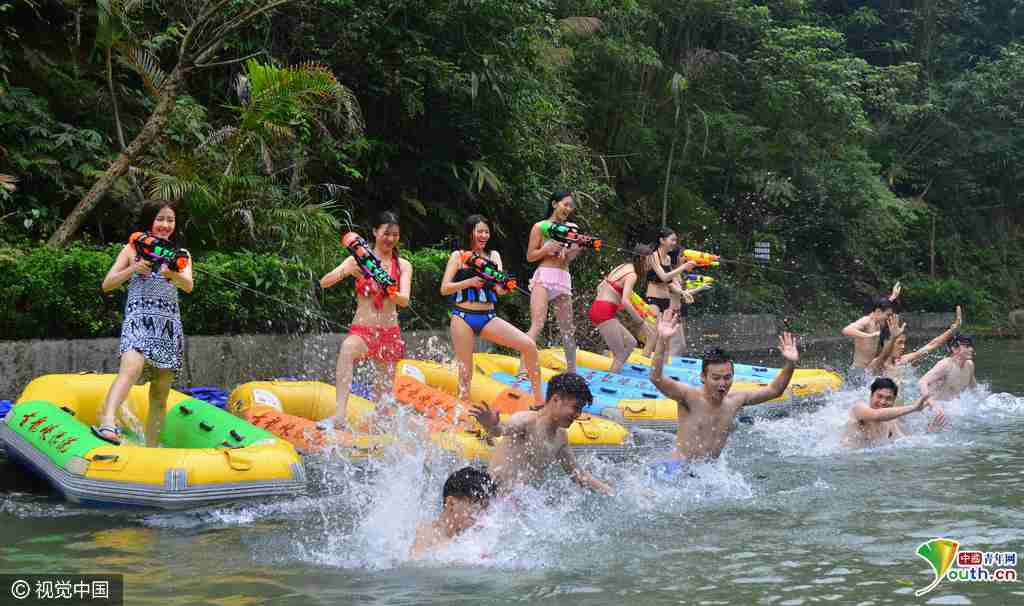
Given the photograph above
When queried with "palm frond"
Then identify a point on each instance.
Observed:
(481, 175)
(581, 27)
(219, 137)
(146, 65)
(8, 183)
(334, 191)
(163, 186)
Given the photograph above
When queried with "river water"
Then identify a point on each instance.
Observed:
(786, 517)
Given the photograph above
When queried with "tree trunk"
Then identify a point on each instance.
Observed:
(668, 175)
(135, 187)
(932, 249)
(113, 99)
(153, 128)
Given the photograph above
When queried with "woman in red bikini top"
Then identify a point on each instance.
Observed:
(374, 332)
(614, 293)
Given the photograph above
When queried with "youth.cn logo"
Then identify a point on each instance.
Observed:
(971, 566)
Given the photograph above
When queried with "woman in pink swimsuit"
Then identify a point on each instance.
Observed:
(551, 281)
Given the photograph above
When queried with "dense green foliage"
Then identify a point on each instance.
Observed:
(56, 294)
(858, 137)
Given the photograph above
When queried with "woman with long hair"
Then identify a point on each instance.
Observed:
(614, 292)
(374, 332)
(664, 285)
(473, 309)
(151, 334)
(551, 281)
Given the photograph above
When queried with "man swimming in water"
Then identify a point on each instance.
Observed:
(952, 374)
(876, 422)
(534, 441)
(467, 493)
(865, 333)
(707, 413)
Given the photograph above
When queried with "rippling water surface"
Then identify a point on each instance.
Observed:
(786, 517)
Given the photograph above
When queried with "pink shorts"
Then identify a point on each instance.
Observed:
(557, 281)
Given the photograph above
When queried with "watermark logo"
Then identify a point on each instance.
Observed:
(971, 566)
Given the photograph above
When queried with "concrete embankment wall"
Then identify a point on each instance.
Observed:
(228, 360)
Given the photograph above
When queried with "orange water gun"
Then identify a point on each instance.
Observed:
(368, 262)
(489, 271)
(158, 251)
(702, 259)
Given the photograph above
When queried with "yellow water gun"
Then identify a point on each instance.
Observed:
(645, 311)
(702, 259)
(695, 281)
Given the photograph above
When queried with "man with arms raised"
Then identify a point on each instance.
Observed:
(536, 440)
(865, 333)
(876, 422)
(707, 413)
(952, 374)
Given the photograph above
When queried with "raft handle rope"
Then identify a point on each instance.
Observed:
(205, 426)
(68, 410)
(185, 410)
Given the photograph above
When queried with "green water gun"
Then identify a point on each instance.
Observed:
(568, 234)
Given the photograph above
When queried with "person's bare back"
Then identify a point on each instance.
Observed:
(865, 346)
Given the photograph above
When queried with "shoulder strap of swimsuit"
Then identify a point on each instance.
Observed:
(613, 281)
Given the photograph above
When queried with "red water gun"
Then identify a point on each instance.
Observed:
(568, 234)
(158, 251)
(368, 262)
(489, 271)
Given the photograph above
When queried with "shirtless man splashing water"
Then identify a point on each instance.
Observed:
(865, 333)
(707, 413)
(953, 374)
(877, 422)
(535, 441)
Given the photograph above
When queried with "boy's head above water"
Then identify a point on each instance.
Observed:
(879, 309)
(716, 372)
(883, 392)
(568, 394)
(962, 346)
(467, 492)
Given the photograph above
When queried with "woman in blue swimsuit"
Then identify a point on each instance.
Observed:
(473, 302)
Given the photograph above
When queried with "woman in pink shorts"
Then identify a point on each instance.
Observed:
(551, 281)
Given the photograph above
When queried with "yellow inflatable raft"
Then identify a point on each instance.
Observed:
(212, 457)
